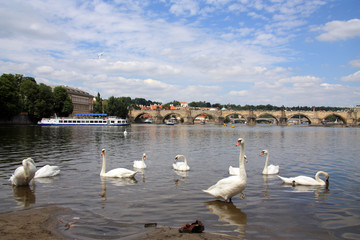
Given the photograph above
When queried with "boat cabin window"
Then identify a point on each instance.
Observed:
(60, 121)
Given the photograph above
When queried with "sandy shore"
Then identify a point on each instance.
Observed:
(42, 223)
(34, 223)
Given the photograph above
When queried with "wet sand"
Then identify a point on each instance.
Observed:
(44, 223)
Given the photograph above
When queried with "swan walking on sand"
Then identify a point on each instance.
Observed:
(228, 187)
(304, 180)
(235, 170)
(115, 173)
(180, 166)
(140, 163)
(271, 169)
(24, 174)
(47, 171)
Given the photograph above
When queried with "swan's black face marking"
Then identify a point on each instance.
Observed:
(103, 152)
(176, 158)
(327, 182)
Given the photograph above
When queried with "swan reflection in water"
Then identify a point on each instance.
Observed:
(266, 179)
(228, 212)
(24, 195)
(142, 171)
(119, 182)
(320, 191)
(183, 175)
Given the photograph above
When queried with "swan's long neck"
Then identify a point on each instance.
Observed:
(185, 160)
(317, 178)
(26, 169)
(266, 163)
(103, 168)
(241, 160)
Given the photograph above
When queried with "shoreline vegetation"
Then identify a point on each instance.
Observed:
(47, 223)
(20, 94)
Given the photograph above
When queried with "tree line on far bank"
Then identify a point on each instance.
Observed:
(22, 94)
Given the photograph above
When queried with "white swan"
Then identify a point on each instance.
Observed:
(228, 187)
(304, 180)
(180, 166)
(24, 174)
(235, 170)
(115, 173)
(271, 169)
(141, 163)
(47, 171)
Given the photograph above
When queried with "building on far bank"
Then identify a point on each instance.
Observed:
(82, 101)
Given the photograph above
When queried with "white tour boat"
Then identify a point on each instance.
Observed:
(86, 119)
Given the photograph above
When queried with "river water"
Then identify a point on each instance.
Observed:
(116, 208)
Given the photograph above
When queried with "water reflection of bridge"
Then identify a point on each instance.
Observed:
(281, 117)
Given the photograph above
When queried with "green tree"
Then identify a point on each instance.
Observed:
(10, 101)
(98, 106)
(63, 106)
(29, 94)
(44, 104)
(117, 107)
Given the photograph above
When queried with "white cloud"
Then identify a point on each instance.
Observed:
(184, 7)
(44, 70)
(241, 93)
(301, 81)
(355, 77)
(355, 63)
(340, 30)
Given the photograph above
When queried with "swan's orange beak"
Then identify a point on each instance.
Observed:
(238, 143)
(262, 153)
(102, 153)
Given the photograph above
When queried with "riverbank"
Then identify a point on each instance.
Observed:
(45, 223)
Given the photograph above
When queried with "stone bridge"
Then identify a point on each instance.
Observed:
(315, 118)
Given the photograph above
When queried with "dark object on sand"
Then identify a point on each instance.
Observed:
(147, 225)
(196, 227)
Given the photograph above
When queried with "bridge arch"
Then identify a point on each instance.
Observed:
(241, 117)
(264, 115)
(339, 119)
(207, 114)
(169, 115)
(297, 118)
(140, 117)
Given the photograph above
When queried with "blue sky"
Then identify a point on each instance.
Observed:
(278, 52)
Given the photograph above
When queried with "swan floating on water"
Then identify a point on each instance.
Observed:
(115, 173)
(140, 163)
(47, 171)
(271, 169)
(24, 174)
(180, 166)
(228, 187)
(235, 170)
(304, 180)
